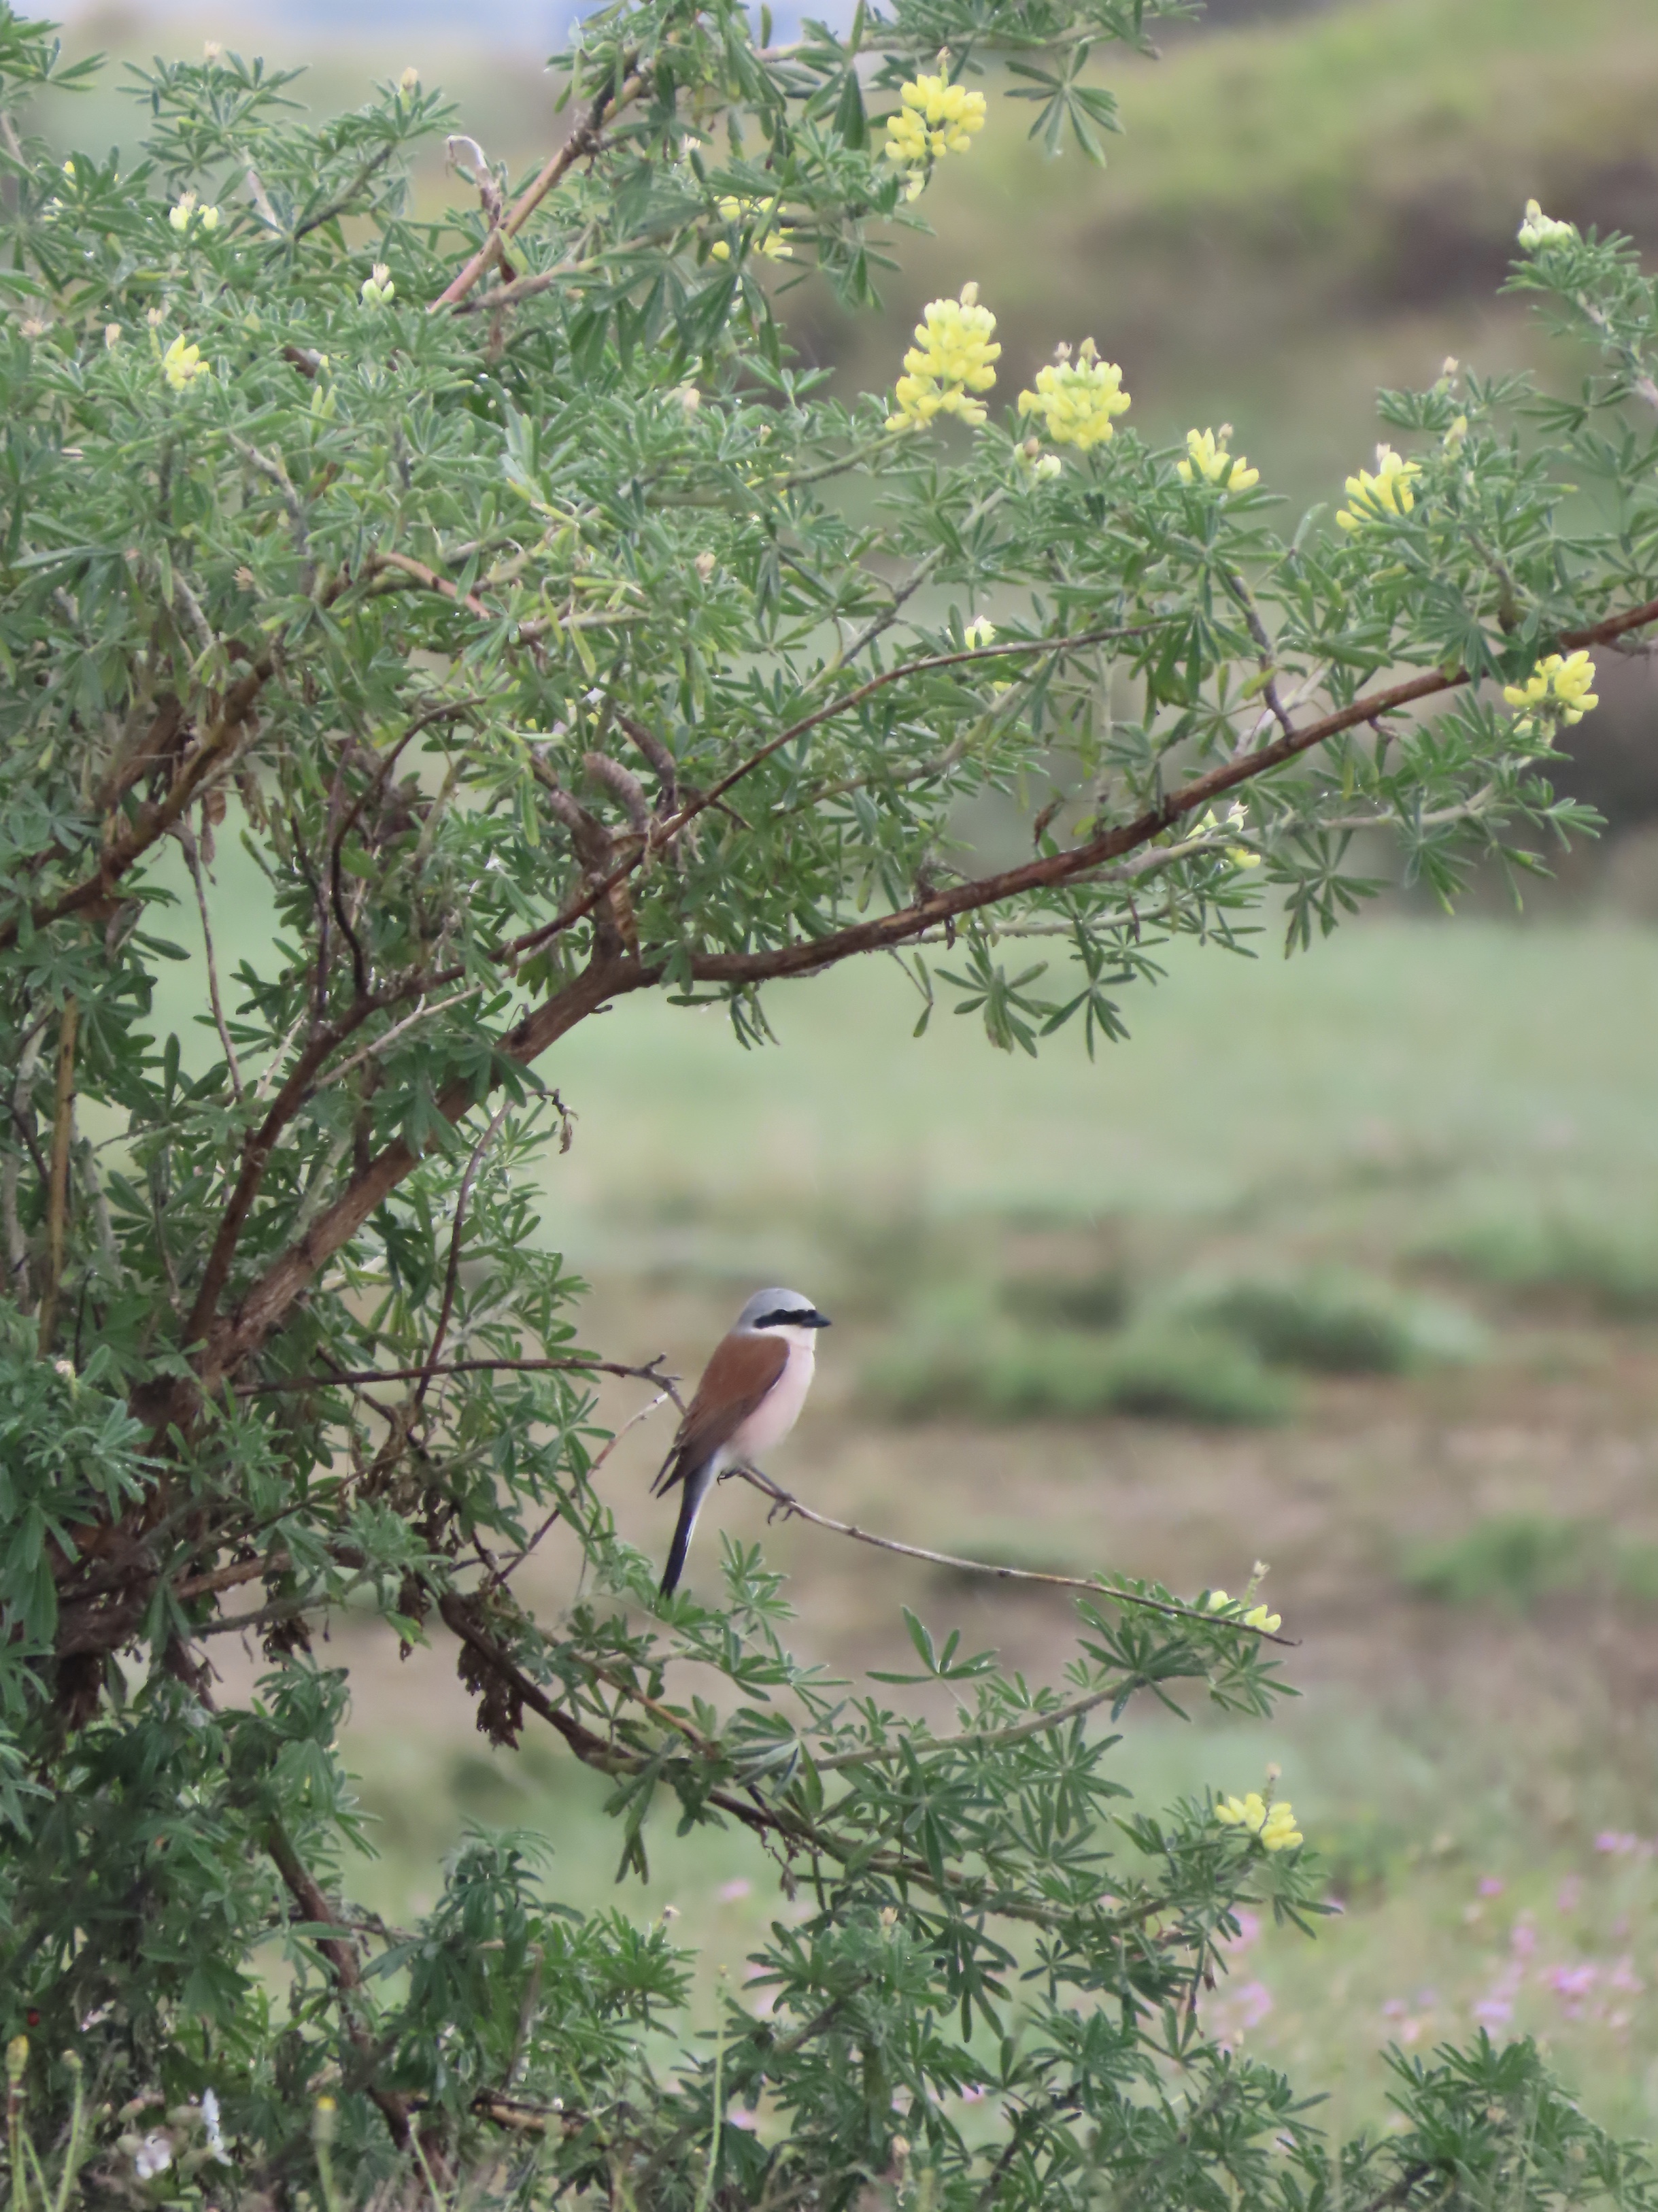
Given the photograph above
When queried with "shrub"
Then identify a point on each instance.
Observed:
(545, 634)
(1337, 1322)
(1614, 1271)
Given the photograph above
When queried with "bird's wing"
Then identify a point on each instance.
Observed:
(740, 1374)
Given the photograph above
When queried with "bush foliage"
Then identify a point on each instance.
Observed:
(541, 630)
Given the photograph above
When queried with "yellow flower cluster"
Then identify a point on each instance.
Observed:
(773, 243)
(187, 212)
(1274, 1824)
(1539, 229)
(182, 364)
(1388, 492)
(1257, 1616)
(1207, 457)
(951, 360)
(378, 289)
(1557, 689)
(936, 117)
(978, 634)
(1077, 399)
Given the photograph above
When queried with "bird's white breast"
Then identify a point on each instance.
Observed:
(779, 1409)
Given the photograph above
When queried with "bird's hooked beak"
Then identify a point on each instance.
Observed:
(813, 1319)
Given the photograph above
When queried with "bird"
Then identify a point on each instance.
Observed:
(750, 1397)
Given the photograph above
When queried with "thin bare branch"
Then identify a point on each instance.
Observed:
(783, 1502)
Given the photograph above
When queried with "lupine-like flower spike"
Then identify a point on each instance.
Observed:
(949, 361)
(1208, 461)
(1386, 493)
(936, 117)
(1077, 400)
(1539, 230)
(1556, 690)
(182, 364)
(1274, 1824)
(187, 211)
(378, 289)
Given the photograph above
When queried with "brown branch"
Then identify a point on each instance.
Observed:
(340, 1954)
(573, 1364)
(1400, 2189)
(155, 818)
(193, 862)
(587, 139)
(429, 578)
(791, 1509)
(1051, 870)
(62, 1123)
(224, 1579)
(270, 1296)
(256, 1148)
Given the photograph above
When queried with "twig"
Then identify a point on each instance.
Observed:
(451, 1272)
(276, 474)
(342, 205)
(791, 1506)
(193, 861)
(587, 138)
(257, 1147)
(423, 1013)
(1241, 592)
(1400, 2189)
(340, 1954)
(572, 1365)
(62, 1122)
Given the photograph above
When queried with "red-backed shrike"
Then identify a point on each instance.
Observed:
(748, 1399)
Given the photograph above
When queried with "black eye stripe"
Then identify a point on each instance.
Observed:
(786, 1316)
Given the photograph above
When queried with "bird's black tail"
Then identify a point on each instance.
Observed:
(695, 1481)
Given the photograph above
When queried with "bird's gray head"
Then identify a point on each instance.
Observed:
(780, 1310)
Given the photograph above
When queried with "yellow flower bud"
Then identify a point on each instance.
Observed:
(1077, 400)
(1375, 498)
(950, 361)
(1208, 461)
